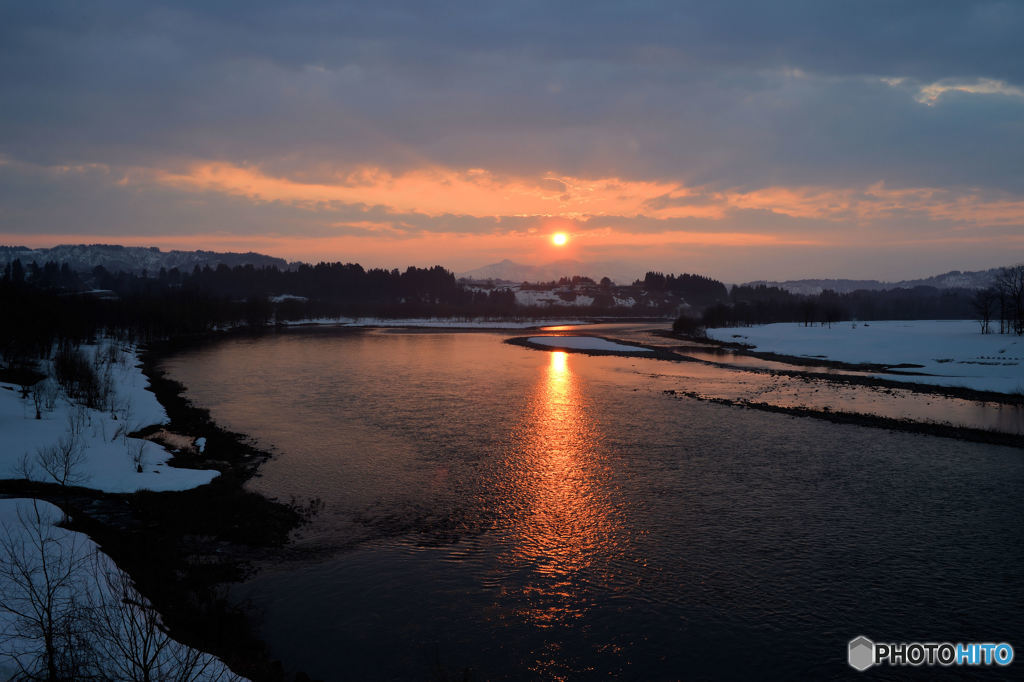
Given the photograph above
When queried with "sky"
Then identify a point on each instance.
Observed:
(740, 139)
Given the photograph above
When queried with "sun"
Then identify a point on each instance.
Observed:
(559, 239)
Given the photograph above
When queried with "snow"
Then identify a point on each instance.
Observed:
(281, 298)
(538, 298)
(586, 343)
(951, 352)
(532, 297)
(29, 533)
(439, 322)
(106, 452)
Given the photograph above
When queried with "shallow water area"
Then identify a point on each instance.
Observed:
(545, 514)
(721, 374)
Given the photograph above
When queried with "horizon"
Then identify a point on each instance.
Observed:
(588, 268)
(741, 141)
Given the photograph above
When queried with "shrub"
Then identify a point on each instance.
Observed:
(80, 379)
(685, 324)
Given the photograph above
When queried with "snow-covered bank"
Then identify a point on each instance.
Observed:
(54, 583)
(586, 343)
(442, 322)
(103, 456)
(950, 352)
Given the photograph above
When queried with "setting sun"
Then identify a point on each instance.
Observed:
(560, 239)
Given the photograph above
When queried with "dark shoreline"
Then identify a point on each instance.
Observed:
(182, 548)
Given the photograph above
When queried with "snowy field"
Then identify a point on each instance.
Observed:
(951, 352)
(442, 322)
(105, 458)
(50, 571)
(586, 343)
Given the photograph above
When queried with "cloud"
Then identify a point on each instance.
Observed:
(929, 94)
(479, 193)
(798, 121)
(726, 92)
(435, 191)
(877, 202)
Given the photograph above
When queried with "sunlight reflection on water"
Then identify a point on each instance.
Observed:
(555, 502)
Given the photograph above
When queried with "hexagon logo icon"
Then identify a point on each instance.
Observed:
(861, 653)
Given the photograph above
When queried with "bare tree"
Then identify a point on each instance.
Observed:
(78, 419)
(39, 573)
(984, 305)
(808, 311)
(64, 461)
(27, 467)
(72, 614)
(37, 401)
(44, 396)
(132, 642)
(1010, 285)
(137, 451)
(123, 412)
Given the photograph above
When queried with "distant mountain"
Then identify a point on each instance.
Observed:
(953, 279)
(510, 271)
(132, 258)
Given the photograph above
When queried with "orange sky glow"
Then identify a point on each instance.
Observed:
(419, 216)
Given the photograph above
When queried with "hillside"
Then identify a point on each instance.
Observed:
(135, 259)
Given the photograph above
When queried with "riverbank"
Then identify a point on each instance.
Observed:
(861, 374)
(951, 353)
(182, 547)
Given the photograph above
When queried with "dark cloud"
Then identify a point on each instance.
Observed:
(928, 39)
(698, 90)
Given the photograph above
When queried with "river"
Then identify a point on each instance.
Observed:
(528, 514)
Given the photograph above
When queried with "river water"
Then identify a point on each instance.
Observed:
(540, 515)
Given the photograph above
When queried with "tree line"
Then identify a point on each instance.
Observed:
(749, 305)
(45, 305)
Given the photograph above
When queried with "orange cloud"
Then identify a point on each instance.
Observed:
(877, 202)
(438, 191)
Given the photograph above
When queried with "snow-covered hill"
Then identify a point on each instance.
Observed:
(115, 258)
